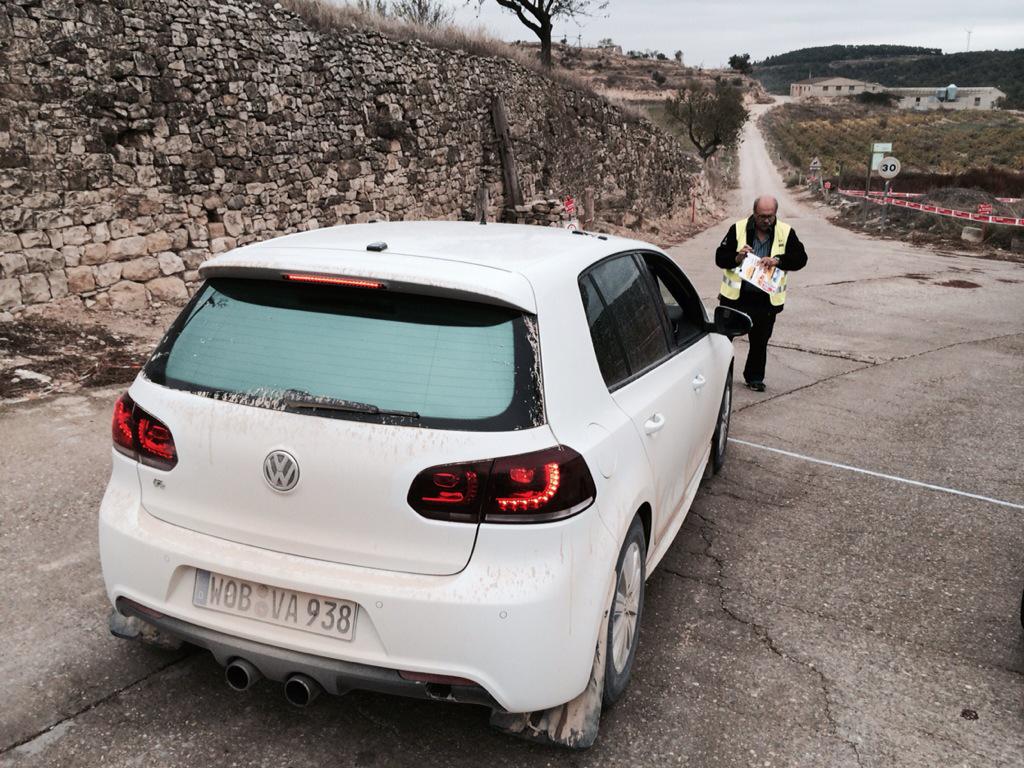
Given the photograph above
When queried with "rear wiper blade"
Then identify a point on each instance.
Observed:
(294, 398)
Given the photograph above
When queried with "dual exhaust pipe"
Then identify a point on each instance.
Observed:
(300, 690)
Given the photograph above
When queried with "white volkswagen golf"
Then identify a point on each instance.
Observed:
(430, 459)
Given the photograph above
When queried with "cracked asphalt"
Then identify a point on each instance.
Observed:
(807, 615)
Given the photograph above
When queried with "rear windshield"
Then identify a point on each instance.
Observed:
(371, 355)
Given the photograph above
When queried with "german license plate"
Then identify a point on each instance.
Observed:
(327, 616)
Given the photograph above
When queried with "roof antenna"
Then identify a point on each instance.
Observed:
(481, 203)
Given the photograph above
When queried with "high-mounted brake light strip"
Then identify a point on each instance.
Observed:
(350, 282)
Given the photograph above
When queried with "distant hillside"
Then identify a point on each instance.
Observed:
(844, 52)
(898, 65)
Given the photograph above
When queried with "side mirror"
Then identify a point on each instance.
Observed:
(731, 322)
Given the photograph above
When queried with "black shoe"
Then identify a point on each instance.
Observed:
(757, 386)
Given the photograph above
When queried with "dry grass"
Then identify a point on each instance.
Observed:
(325, 16)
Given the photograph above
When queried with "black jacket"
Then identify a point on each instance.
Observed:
(752, 298)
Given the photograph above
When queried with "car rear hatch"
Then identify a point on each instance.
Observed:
(301, 412)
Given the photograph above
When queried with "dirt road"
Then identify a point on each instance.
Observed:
(809, 614)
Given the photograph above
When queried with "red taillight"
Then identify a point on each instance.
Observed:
(124, 426)
(141, 436)
(450, 492)
(155, 439)
(530, 488)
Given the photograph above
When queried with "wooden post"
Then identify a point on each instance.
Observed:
(589, 214)
(481, 203)
(513, 192)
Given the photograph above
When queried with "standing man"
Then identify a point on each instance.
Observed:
(777, 245)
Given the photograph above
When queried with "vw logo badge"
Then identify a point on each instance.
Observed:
(281, 471)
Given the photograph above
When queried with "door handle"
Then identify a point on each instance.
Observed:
(698, 382)
(653, 424)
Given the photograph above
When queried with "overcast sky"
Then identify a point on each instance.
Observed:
(709, 31)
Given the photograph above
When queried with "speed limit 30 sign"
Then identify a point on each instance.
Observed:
(889, 168)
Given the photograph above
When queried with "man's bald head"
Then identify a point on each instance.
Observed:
(766, 205)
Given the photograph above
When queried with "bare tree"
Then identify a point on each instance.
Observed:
(426, 13)
(373, 7)
(538, 16)
(713, 117)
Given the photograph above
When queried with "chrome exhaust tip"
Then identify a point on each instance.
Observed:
(241, 675)
(301, 690)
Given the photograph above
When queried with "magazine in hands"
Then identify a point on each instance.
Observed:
(767, 279)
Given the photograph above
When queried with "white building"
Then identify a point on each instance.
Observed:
(831, 88)
(950, 97)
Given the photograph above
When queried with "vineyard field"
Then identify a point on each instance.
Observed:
(925, 142)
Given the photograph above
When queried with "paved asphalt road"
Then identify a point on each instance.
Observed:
(808, 615)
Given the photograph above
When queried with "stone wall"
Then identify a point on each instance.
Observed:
(138, 137)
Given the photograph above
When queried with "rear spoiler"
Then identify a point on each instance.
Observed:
(506, 289)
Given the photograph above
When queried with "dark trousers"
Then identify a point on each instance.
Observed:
(764, 324)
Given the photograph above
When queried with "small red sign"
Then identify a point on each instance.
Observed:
(570, 205)
(985, 209)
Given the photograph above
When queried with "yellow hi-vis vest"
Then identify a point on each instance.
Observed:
(731, 280)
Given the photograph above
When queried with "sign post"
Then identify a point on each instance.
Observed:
(569, 206)
(815, 171)
(888, 169)
(877, 150)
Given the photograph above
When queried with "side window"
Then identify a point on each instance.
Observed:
(625, 294)
(611, 357)
(683, 308)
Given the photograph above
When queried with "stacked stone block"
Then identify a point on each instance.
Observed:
(139, 137)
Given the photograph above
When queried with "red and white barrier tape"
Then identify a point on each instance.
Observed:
(877, 193)
(984, 218)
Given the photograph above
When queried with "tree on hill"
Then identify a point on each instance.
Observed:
(712, 116)
(740, 62)
(539, 15)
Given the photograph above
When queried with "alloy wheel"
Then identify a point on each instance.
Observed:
(723, 421)
(627, 606)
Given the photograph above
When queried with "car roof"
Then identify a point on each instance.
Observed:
(471, 253)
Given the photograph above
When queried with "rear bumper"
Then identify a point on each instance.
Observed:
(334, 676)
(521, 620)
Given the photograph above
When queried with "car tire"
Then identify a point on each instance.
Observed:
(720, 440)
(626, 613)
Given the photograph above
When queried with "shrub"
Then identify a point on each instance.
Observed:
(881, 99)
